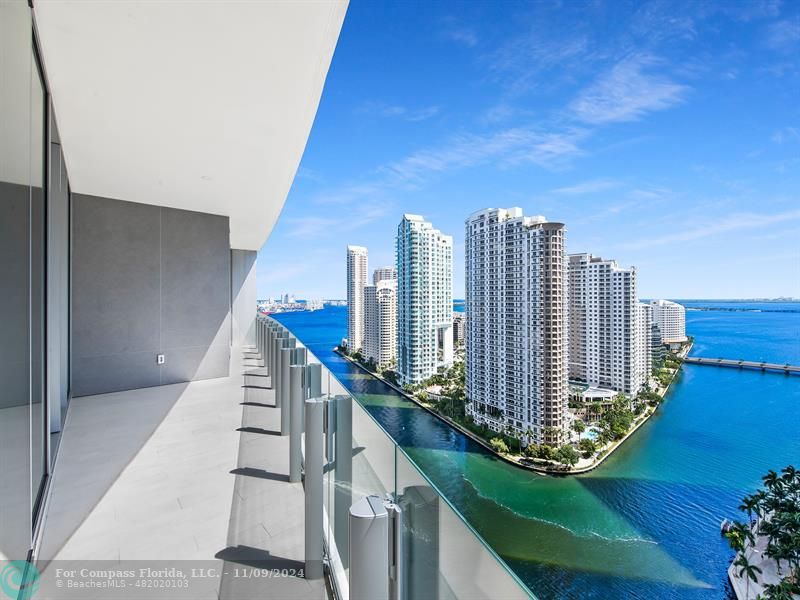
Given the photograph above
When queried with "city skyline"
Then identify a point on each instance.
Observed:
(658, 141)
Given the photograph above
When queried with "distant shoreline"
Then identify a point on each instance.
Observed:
(529, 465)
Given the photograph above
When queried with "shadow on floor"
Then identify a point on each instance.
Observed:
(257, 558)
(260, 474)
(258, 430)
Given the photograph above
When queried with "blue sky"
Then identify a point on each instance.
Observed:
(665, 135)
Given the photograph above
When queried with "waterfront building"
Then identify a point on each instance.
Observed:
(644, 343)
(384, 273)
(608, 339)
(459, 328)
(356, 280)
(424, 258)
(516, 330)
(657, 349)
(671, 320)
(380, 321)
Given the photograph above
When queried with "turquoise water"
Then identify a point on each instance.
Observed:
(646, 523)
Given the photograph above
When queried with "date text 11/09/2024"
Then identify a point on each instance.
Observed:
(173, 573)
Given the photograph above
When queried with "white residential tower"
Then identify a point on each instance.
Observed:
(380, 317)
(356, 280)
(608, 345)
(516, 338)
(671, 320)
(424, 299)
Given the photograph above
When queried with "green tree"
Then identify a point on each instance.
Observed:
(785, 590)
(546, 452)
(587, 447)
(531, 450)
(749, 505)
(498, 445)
(777, 506)
(747, 570)
(578, 427)
(567, 456)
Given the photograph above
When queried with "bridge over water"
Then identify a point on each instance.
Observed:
(743, 364)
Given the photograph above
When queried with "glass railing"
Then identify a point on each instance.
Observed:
(443, 556)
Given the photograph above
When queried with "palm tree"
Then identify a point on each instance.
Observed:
(578, 427)
(760, 510)
(747, 570)
(749, 505)
(779, 591)
(770, 479)
(529, 434)
(509, 431)
(738, 534)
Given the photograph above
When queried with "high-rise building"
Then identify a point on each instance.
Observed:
(644, 343)
(459, 328)
(424, 299)
(671, 320)
(657, 349)
(607, 342)
(384, 273)
(356, 280)
(516, 335)
(380, 321)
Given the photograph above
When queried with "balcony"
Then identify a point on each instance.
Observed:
(197, 475)
(191, 475)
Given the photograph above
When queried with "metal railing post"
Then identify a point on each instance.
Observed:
(275, 367)
(266, 343)
(313, 380)
(286, 354)
(313, 488)
(274, 333)
(296, 401)
(343, 475)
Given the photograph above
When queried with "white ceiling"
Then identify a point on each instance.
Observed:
(203, 105)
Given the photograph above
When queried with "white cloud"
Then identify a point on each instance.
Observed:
(520, 61)
(310, 228)
(507, 147)
(728, 224)
(627, 93)
(784, 36)
(422, 114)
(589, 187)
(379, 109)
(787, 134)
(462, 35)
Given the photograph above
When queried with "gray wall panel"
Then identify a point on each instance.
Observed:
(115, 278)
(243, 296)
(14, 262)
(114, 372)
(195, 305)
(147, 280)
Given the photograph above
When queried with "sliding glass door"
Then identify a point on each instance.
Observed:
(23, 251)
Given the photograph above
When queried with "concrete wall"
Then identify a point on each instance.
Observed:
(243, 296)
(147, 280)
